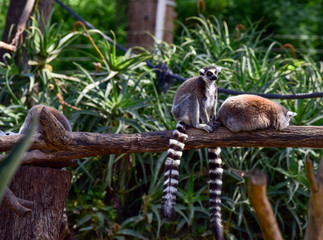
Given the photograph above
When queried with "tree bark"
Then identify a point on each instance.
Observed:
(142, 20)
(47, 189)
(104, 144)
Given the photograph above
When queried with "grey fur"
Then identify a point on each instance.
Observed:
(195, 106)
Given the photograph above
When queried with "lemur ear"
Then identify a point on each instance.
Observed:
(218, 69)
(201, 72)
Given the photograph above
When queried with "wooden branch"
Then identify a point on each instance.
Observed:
(58, 137)
(75, 145)
(103, 144)
(56, 159)
(20, 206)
(259, 201)
(314, 230)
(8, 46)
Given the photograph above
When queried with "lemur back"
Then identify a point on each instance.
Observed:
(249, 112)
(195, 105)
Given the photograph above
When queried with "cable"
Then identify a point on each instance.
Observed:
(275, 96)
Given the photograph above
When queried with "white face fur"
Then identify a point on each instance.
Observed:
(289, 115)
(210, 74)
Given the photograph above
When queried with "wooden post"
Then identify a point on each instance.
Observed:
(169, 22)
(47, 188)
(142, 22)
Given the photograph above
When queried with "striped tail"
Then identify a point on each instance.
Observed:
(215, 184)
(175, 151)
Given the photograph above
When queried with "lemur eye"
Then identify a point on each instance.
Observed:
(209, 73)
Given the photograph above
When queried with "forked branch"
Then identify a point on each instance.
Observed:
(20, 206)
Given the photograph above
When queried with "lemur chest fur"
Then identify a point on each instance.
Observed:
(210, 96)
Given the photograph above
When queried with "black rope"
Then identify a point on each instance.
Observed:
(275, 96)
(165, 75)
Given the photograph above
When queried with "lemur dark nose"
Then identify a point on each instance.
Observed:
(214, 78)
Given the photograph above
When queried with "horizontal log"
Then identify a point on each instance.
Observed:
(65, 145)
(103, 144)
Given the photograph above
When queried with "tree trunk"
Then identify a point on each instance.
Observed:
(142, 18)
(47, 188)
(142, 22)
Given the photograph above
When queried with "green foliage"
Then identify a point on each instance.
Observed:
(37, 82)
(44, 46)
(250, 64)
(103, 15)
(3, 10)
(296, 22)
(118, 196)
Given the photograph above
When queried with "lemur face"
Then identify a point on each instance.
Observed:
(210, 72)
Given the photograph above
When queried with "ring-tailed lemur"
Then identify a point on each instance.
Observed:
(249, 112)
(195, 105)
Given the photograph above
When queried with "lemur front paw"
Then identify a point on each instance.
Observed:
(212, 126)
(209, 128)
(206, 127)
(216, 125)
